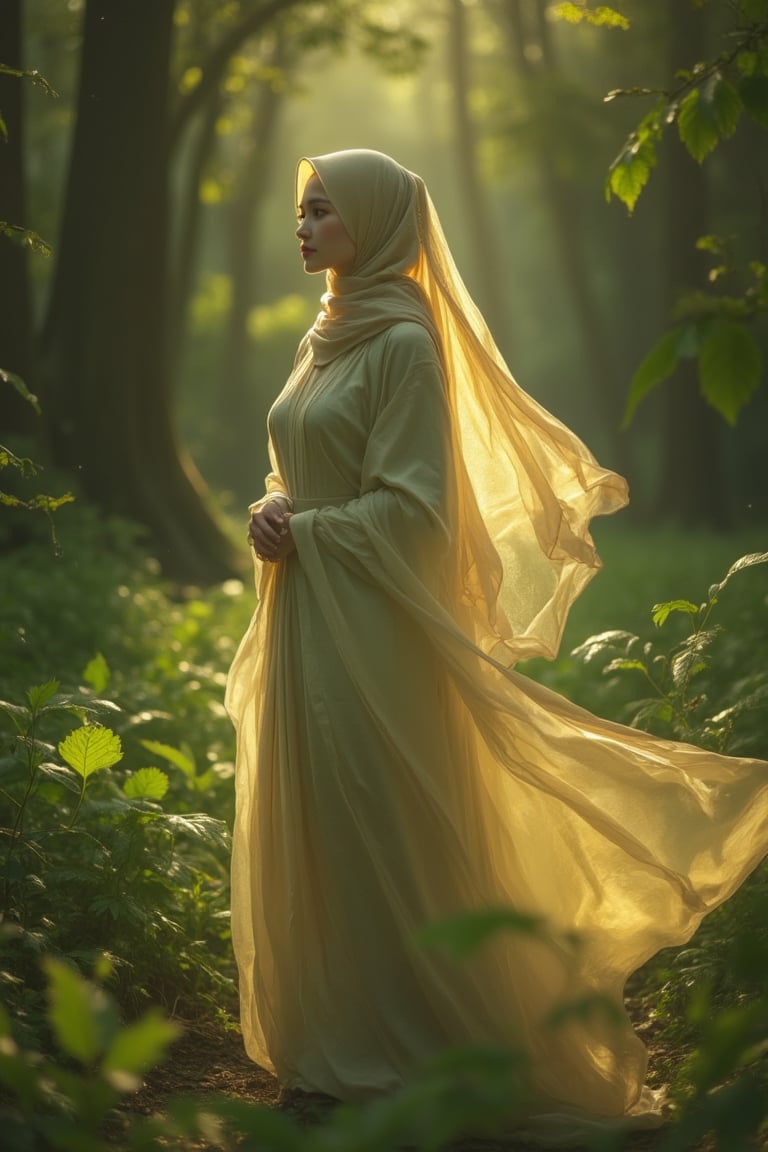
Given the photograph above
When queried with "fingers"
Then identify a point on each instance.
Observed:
(269, 535)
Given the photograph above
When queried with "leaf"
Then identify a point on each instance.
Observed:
(41, 694)
(600, 17)
(708, 114)
(660, 363)
(631, 170)
(592, 1006)
(697, 125)
(624, 665)
(90, 748)
(729, 367)
(753, 91)
(147, 784)
(97, 673)
(660, 612)
(83, 1018)
(604, 641)
(458, 936)
(21, 388)
(748, 561)
(137, 1048)
(173, 755)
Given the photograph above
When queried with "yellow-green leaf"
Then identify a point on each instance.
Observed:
(91, 748)
(97, 673)
(146, 784)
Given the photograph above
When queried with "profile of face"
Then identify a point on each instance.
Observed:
(325, 242)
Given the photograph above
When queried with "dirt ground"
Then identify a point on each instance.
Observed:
(209, 1060)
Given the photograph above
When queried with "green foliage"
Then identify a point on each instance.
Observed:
(92, 864)
(706, 105)
(678, 707)
(600, 17)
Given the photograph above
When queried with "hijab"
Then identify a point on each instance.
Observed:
(527, 485)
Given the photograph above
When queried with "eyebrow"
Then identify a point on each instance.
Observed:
(317, 200)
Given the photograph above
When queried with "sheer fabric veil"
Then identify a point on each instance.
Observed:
(393, 767)
(526, 486)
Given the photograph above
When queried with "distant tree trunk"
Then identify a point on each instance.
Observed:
(15, 314)
(477, 211)
(109, 403)
(236, 399)
(693, 490)
(567, 222)
(186, 248)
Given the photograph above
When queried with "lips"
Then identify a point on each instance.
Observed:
(306, 251)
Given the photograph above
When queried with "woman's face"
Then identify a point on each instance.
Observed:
(325, 242)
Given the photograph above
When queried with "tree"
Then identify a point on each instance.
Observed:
(104, 363)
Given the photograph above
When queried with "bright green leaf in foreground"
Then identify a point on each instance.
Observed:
(90, 748)
(147, 784)
(729, 367)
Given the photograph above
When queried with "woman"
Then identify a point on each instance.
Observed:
(425, 526)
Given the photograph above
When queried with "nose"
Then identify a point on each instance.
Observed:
(302, 229)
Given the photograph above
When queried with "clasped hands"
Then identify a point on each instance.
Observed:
(268, 532)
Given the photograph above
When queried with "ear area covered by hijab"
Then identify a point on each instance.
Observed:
(528, 486)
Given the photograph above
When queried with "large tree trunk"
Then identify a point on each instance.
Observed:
(693, 490)
(109, 402)
(15, 315)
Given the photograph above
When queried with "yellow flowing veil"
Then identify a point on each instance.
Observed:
(526, 486)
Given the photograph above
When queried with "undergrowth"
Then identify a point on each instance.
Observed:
(116, 759)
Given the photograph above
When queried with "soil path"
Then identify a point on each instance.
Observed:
(209, 1060)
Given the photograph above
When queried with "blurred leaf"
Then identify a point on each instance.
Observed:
(600, 16)
(729, 367)
(147, 784)
(458, 936)
(83, 1018)
(753, 91)
(137, 1048)
(660, 612)
(660, 363)
(173, 755)
(586, 1009)
(90, 748)
(97, 673)
(21, 388)
(41, 694)
(26, 237)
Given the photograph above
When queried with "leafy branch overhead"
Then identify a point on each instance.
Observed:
(707, 103)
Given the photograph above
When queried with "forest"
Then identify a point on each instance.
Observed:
(601, 174)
